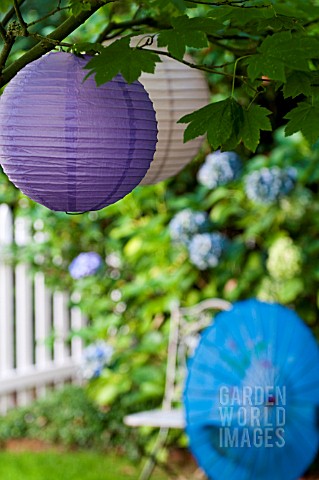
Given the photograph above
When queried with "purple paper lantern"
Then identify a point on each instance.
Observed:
(70, 145)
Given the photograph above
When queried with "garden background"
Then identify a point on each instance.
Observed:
(230, 225)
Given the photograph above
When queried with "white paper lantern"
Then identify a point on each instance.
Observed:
(175, 90)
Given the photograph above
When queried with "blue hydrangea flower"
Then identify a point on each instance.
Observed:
(85, 264)
(187, 223)
(205, 249)
(219, 168)
(268, 185)
(289, 178)
(95, 357)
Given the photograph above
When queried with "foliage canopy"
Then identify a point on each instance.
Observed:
(263, 53)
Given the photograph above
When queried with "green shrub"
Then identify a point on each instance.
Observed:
(69, 418)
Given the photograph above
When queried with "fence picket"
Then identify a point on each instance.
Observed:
(60, 326)
(42, 318)
(29, 314)
(77, 323)
(6, 302)
(24, 313)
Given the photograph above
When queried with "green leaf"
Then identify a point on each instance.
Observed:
(293, 50)
(278, 23)
(227, 123)
(298, 83)
(289, 290)
(184, 33)
(241, 16)
(133, 246)
(272, 67)
(119, 57)
(215, 119)
(237, 119)
(304, 118)
(298, 10)
(78, 6)
(175, 43)
(197, 122)
(282, 50)
(255, 119)
(184, 23)
(179, 4)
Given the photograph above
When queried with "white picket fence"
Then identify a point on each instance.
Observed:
(29, 314)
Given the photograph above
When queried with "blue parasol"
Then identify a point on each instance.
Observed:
(252, 393)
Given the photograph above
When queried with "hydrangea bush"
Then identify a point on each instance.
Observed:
(187, 223)
(205, 249)
(85, 264)
(96, 356)
(285, 259)
(219, 169)
(268, 185)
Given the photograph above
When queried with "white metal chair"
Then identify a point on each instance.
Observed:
(183, 338)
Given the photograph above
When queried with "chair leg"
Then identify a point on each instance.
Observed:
(151, 461)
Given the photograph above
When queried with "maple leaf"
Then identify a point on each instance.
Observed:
(227, 123)
(304, 118)
(119, 57)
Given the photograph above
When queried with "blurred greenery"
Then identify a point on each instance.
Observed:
(68, 418)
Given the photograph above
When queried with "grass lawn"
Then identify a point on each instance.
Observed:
(50, 465)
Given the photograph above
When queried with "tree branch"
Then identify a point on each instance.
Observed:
(20, 18)
(6, 51)
(44, 46)
(122, 26)
(3, 33)
(55, 43)
(311, 22)
(10, 13)
(230, 48)
(191, 65)
(8, 40)
(203, 68)
(48, 15)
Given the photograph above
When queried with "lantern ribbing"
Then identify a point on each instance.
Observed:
(70, 145)
(175, 91)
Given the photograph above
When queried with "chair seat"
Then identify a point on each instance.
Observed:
(157, 418)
